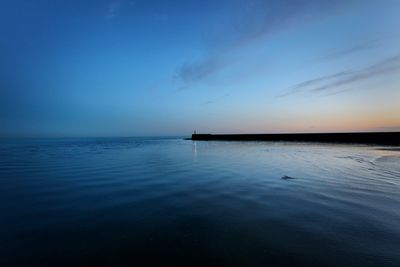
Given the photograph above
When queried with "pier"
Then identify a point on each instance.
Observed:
(379, 138)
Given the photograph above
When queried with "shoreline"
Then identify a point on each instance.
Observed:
(378, 138)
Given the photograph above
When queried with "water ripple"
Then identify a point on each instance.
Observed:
(120, 201)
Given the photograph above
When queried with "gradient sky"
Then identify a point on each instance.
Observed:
(129, 68)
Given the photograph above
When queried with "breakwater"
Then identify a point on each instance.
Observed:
(381, 138)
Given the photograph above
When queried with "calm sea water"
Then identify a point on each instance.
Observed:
(138, 202)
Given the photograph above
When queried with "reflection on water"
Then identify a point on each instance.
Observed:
(132, 201)
(194, 146)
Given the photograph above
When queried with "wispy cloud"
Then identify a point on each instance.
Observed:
(250, 22)
(297, 88)
(195, 71)
(381, 68)
(217, 99)
(113, 9)
(331, 83)
(368, 45)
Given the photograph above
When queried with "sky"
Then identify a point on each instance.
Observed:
(138, 68)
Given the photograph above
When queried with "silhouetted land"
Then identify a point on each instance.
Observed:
(380, 138)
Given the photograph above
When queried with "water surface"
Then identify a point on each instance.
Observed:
(160, 201)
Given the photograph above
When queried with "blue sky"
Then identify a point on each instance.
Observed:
(126, 68)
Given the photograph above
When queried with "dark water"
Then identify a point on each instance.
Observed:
(141, 202)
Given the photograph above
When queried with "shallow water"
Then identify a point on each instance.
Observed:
(148, 201)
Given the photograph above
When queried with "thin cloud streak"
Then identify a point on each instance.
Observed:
(312, 82)
(216, 99)
(384, 67)
(113, 9)
(368, 45)
(255, 20)
(341, 79)
(195, 71)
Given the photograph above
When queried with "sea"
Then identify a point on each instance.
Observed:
(174, 202)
